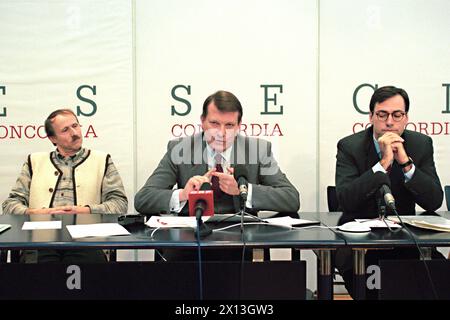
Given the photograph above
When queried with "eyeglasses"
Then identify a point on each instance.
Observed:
(396, 115)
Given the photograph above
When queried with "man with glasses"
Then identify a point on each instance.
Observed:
(405, 156)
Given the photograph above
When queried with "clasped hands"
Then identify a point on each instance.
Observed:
(392, 148)
(60, 210)
(227, 183)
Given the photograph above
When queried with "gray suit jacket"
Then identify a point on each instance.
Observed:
(186, 157)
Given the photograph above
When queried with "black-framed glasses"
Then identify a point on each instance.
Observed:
(396, 115)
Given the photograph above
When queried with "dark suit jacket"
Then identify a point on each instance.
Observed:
(356, 186)
(185, 158)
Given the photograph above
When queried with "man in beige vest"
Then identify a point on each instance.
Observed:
(69, 180)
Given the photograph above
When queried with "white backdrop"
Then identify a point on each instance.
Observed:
(143, 57)
(48, 52)
(237, 46)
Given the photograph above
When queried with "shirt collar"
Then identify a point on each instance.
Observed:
(226, 155)
(377, 146)
(75, 157)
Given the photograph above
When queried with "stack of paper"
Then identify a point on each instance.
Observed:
(432, 226)
(436, 223)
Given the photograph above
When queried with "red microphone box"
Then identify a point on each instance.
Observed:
(205, 195)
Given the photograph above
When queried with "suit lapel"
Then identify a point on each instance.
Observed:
(371, 154)
(239, 154)
(199, 164)
(405, 137)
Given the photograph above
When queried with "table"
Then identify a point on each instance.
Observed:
(383, 239)
(255, 237)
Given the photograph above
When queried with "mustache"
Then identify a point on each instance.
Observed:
(74, 138)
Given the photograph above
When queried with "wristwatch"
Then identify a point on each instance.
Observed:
(407, 163)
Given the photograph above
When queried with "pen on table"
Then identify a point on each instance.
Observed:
(161, 222)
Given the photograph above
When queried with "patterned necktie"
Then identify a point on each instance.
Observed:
(214, 180)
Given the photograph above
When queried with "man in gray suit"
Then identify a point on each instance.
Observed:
(211, 157)
(191, 161)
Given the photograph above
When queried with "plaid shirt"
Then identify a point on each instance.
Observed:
(113, 195)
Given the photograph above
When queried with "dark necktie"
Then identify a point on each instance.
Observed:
(214, 180)
(396, 175)
(388, 169)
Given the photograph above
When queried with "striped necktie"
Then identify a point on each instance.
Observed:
(214, 180)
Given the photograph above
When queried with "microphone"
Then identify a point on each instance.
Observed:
(383, 184)
(240, 174)
(201, 203)
(387, 196)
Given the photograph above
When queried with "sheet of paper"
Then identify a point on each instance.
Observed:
(377, 223)
(41, 225)
(231, 218)
(289, 221)
(96, 230)
(173, 222)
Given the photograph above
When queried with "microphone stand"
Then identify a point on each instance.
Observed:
(242, 212)
(199, 253)
(382, 209)
(202, 229)
(243, 200)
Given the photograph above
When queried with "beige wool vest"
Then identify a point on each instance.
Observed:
(87, 179)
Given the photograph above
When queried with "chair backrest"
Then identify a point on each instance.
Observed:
(447, 196)
(333, 204)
